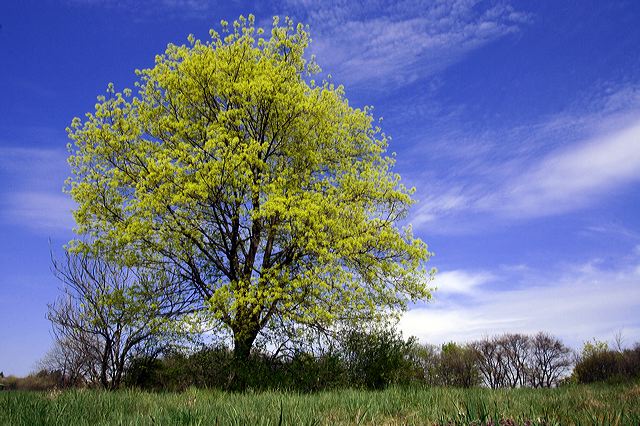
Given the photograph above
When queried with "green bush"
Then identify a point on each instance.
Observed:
(458, 366)
(378, 358)
(605, 365)
(599, 367)
(370, 360)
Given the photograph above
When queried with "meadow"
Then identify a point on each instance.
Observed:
(570, 405)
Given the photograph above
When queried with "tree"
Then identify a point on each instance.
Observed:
(377, 357)
(516, 351)
(426, 359)
(74, 360)
(594, 347)
(108, 314)
(490, 360)
(458, 366)
(549, 360)
(270, 195)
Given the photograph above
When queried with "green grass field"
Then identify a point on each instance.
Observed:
(580, 405)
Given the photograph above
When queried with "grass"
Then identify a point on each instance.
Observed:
(579, 405)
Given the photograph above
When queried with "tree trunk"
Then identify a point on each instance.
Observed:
(242, 347)
(241, 371)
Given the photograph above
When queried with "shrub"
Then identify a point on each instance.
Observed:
(378, 358)
(458, 366)
(604, 365)
(631, 363)
(598, 367)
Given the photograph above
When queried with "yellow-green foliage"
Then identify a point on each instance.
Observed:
(267, 192)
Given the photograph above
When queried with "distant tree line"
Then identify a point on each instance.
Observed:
(518, 360)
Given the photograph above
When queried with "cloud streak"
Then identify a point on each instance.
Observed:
(571, 178)
(33, 196)
(406, 40)
(39, 211)
(565, 164)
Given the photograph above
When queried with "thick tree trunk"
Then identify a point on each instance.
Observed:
(242, 343)
(242, 347)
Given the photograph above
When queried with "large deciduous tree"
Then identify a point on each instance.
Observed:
(268, 192)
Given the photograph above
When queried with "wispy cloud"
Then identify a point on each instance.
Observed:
(405, 40)
(40, 211)
(36, 165)
(378, 43)
(609, 228)
(33, 195)
(571, 178)
(566, 163)
(576, 303)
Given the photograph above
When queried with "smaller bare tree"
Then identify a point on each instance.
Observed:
(550, 360)
(71, 358)
(516, 352)
(490, 360)
(107, 314)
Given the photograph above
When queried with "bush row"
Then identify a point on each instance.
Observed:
(367, 360)
(362, 360)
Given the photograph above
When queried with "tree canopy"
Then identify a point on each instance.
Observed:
(266, 192)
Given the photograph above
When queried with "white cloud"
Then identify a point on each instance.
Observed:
(571, 178)
(406, 40)
(461, 282)
(578, 304)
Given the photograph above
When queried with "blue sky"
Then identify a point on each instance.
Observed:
(518, 124)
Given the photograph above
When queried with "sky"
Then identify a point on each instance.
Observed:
(518, 123)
